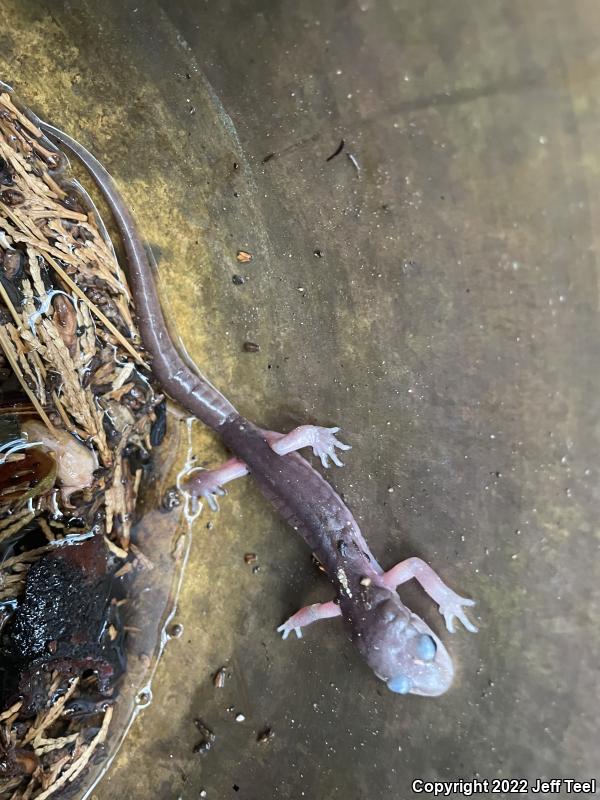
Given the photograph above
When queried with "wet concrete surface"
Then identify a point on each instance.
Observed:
(436, 295)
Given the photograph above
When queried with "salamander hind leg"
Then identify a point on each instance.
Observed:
(307, 616)
(451, 605)
(322, 441)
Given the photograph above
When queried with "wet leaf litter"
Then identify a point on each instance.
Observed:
(79, 418)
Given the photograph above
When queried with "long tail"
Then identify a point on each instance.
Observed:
(192, 390)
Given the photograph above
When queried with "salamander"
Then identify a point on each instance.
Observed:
(401, 649)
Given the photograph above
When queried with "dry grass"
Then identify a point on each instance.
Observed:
(67, 334)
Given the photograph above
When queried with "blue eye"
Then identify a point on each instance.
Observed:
(401, 684)
(426, 647)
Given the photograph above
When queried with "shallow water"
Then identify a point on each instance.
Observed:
(449, 324)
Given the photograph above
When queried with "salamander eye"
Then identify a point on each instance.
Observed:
(401, 684)
(426, 647)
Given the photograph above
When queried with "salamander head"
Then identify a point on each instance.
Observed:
(400, 648)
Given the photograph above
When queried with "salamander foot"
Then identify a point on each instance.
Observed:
(453, 608)
(322, 441)
(203, 483)
(324, 444)
(287, 628)
(308, 615)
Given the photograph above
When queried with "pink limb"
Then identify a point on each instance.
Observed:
(322, 441)
(208, 483)
(308, 615)
(450, 603)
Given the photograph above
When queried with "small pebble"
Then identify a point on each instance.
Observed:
(219, 679)
(240, 718)
(176, 630)
(238, 280)
(171, 499)
(250, 558)
(365, 581)
(265, 735)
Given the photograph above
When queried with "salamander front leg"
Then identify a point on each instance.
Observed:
(208, 483)
(450, 604)
(308, 615)
(322, 441)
